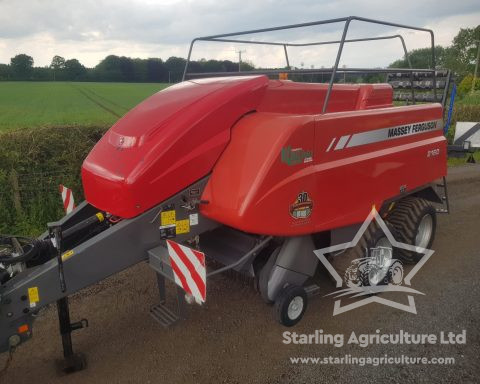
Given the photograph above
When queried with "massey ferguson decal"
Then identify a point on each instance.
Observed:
(302, 206)
(383, 134)
(412, 128)
(296, 156)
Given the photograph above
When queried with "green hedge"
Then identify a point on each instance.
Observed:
(33, 162)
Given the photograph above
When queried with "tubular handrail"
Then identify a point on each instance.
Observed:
(285, 45)
(312, 71)
(347, 21)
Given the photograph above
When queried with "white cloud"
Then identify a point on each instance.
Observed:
(89, 30)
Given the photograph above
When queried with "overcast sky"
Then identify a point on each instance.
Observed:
(89, 30)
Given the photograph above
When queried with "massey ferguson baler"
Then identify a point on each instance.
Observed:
(245, 173)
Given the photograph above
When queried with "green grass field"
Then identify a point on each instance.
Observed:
(37, 104)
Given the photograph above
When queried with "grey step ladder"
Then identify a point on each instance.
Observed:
(444, 196)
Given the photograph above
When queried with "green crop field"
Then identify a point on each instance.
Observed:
(43, 104)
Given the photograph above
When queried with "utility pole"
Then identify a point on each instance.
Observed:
(240, 59)
(476, 66)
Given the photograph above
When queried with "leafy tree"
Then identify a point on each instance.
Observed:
(4, 72)
(246, 66)
(175, 66)
(115, 68)
(465, 85)
(21, 66)
(109, 69)
(140, 70)
(156, 70)
(422, 58)
(459, 57)
(464, 51)
(230, 66)
(74, 70)
(127, 69)
(41, 74)
(58, 64)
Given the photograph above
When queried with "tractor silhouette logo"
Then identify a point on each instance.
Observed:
(378, 272)
(376, 268)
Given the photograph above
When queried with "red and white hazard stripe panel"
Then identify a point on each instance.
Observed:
(67, 198)
(188, 270)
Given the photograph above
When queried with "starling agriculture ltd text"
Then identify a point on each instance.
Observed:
(365, 340)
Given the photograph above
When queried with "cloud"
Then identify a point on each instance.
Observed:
(89, 30)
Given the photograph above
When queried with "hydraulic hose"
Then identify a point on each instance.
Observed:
(44, 249)
(29, 247)
(89, 222)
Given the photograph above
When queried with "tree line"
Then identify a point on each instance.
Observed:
(460, 57)
(113, 68)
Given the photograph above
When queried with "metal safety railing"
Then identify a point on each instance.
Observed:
(229, 37)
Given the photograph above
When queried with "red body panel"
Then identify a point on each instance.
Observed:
(166, 143)
(308, 98)
(284, 170)
(253, 190)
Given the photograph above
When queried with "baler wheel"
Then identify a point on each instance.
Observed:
(414, 220)
(290, 305)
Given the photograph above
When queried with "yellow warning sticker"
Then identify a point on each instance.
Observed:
(33, 295)
(167, 218)
(67, 255)
(183, 226)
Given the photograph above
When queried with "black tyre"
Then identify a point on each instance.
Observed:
(290, 305)
(415, 221)
(376, 237)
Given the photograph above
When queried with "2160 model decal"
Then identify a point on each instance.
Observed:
(433, 152)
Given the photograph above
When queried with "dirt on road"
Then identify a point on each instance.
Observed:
(234, 339)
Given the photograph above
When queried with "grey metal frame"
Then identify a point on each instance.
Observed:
(346, 20)
(109, 252)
